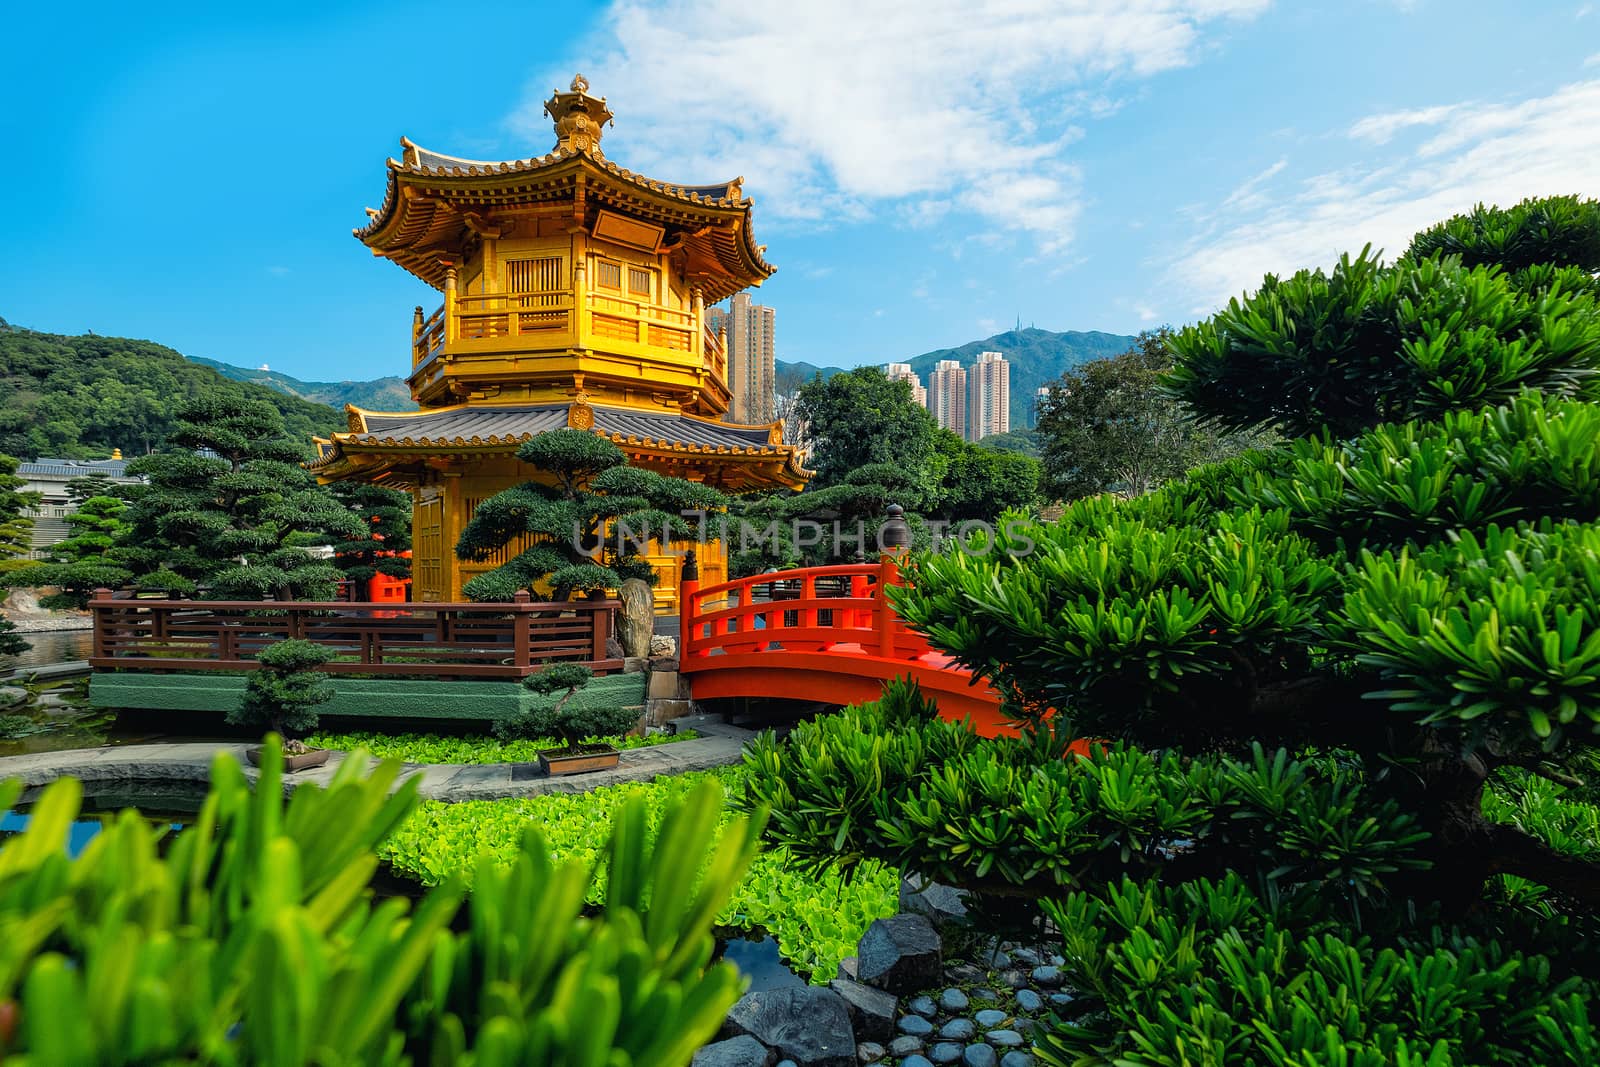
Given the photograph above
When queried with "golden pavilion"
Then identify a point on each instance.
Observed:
(574, 295)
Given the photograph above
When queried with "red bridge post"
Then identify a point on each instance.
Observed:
(688, 586)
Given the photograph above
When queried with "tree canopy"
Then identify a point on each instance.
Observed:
(384, 535)
(578, 529)
(15, 530)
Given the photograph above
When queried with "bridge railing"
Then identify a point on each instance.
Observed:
(840, 609)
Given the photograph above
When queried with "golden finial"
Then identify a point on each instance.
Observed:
(579, 117)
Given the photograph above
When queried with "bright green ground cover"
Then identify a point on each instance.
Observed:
(432, 748)
(816, 918)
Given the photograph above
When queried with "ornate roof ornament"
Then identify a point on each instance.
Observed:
(579, 118)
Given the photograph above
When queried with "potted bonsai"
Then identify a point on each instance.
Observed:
(281, 696)
(571, 722)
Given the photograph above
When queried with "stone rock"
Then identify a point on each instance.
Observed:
(636, 621)
(1004, 1038)
(12, 695)
(901, 954)
(985, 994)
(915, 1061)
(872, 1011)
(958, 1030)
(943, 905)
(870, 1052)
(1058, 961)
(915, 1025)
(787, 1063)
(1060, 1000)
(847, 967)
(1049, 977)
(663, 646)
(905, 1046)
(945, 1052)
(1016, 1059)
(924, 1006)
(953, 1000)
(999, 959)
(966, 973)
(1026, 956)
(741, 1051)
(979, 1055)
(806, 1024)
(614, 650)
(1028, 1000)
(1015, 979)
(989, 1017)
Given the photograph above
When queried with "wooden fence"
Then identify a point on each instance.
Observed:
(467, 640)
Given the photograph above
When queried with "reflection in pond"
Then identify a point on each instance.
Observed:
(169, 804)
(756, 955)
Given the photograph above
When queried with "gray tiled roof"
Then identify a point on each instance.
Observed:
(72, 468)
(512, 423)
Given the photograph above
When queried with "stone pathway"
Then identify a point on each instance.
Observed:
(718, 745)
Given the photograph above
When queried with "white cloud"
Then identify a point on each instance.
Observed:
(1146, 313)
(1592, 61)
(1380, 129)
(1488, 153)
(838, 108)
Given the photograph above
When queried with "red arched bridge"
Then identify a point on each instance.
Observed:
(826, 634)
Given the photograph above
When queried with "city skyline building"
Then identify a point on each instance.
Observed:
(902, 372)
(752, 371)
(989, 383)
(947, 396)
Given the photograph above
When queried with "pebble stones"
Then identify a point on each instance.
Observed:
(1049, 977)
(945, 1052)
(915, 1061)
(915, 1025)
(1029, 1001)
(870, 1052)
(905, 1046)
(952, 1000)
(990, 1017)
(1016, 1059)
(979, 1056)
(924, 1006)
(958, 1030)
(1004, 1038)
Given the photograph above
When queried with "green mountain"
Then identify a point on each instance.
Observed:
(787, 377)
(380, 394)
(80, 397)
(1037, 357)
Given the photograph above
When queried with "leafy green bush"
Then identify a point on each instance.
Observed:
(435, 748)
(281, 695)
(817, 917)
(254, 939)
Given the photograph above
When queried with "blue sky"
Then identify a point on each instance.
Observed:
(926, 173)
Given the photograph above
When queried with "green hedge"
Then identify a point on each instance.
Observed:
(434, 748)
(816, 916)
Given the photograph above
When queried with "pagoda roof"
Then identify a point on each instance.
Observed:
(430, 195)
(502, 428)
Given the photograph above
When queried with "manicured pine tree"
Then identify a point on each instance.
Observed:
(232, 509)
(385, 533)
(16, 529)
(573, 519)
(89, 559)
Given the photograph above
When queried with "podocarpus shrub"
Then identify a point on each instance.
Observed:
(254, 938)
(281, 696)
(1327, 655)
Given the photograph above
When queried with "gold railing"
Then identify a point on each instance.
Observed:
(493, 316)
(427, 340)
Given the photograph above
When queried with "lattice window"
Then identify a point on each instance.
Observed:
(608, 275)
(543, 275)
(639, 282)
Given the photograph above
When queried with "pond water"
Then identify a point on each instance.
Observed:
(51, 646)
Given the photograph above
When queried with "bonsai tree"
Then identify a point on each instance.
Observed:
(1346, 688)
(282, 695)
(385, 515)
(233, 509)
(573, 521)
(572, 723)
(89, 559)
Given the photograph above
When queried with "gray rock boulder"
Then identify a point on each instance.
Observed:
(637, 619)
(872, 1011)
(942, 904)
(741, 1051)
(900, 954)
(808, 1025)
(12, 696)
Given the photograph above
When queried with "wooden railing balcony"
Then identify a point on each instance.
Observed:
(427, 336)
(502, 641)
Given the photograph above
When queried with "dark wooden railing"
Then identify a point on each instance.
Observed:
(470, 640)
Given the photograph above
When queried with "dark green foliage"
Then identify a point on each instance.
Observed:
(1364, 344)
(91, 558)
(81, 397)
(13, 726)
(232, 511)
(281, 696)
(1025, 441)
(386, 514)
(1562, 230)
(586, 531)
(570, 720)
(1110, 426)
(15, 539)
(256, 937)
(860, 418)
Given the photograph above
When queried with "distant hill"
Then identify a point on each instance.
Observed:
(790, 376)
(80, 397)
(380, 394)
(1036, 356)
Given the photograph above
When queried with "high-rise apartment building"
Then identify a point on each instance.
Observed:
(989, 382)
(947, 396)
(902, 372)
(750, 331)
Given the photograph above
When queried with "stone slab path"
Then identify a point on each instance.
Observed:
(719, 745)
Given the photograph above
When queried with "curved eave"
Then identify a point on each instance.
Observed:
(407, 229)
